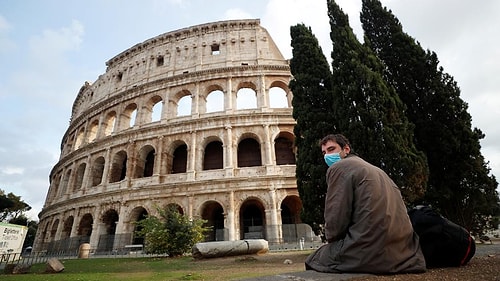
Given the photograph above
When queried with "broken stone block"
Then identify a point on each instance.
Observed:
(54, 266)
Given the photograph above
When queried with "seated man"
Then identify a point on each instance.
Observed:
(366, 222)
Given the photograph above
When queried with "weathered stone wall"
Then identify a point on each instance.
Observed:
(129, 148)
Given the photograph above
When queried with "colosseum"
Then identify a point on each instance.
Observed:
(199, 118)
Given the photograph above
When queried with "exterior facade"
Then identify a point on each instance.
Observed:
(199, 118)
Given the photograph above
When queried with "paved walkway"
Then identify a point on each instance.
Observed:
(310, 275)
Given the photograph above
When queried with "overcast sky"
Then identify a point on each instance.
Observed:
(49, 48)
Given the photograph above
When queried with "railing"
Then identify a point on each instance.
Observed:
(293, 237)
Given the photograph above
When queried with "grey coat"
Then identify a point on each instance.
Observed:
(366, 223)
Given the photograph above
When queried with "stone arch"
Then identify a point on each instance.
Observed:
(92, 132)
(136, 215)
(55, 186)
(107, 236)
(284, 149)
(215, 100)
(79, 139)
(97, 171)
(85, 226)
(252, 219)
(246, 98)
(154, 108)
(65, 184)
(145, 162)
(213, 157)
(129, 116)
(249, 152)
(53, 229)
(213, 213)
(109, 123)
(177, 163)
(67, 226)
(80, 173)
(175, 206)
(291, 227)
(118, 167)
(278, 98)
(183, 103)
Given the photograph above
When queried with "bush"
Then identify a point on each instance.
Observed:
(171, 233)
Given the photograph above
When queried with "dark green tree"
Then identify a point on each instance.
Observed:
(459, 184)
(11, 206)
(311, 86)
(171, 233)
(369, 112)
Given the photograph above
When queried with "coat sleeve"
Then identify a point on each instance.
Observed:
(338, 204)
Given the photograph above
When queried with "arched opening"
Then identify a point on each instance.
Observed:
(213, 158)
(157, 111)
(184, 106)
(145, 163)
(66, 231)
(92, 134)
(213, 213)
(283, 150)
(249, 153)
(138, 214)
(80, 172)
(246, 98)
(118, 167)
(291, 226)
(109, 123)
(79, 139)
(277, 98)
(97, 171)
(85, 226)
(179, 162)
(107, 239)
(252, 220)
(129, 116)
(215, 101)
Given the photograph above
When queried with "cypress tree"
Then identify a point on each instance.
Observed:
(459, 184)
(369, 112)
(311, 87)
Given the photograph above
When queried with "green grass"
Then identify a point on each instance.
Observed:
(99, 269)
(153, 269)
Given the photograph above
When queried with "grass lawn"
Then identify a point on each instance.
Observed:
(182, 268)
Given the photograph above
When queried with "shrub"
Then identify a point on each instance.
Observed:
(171, 233)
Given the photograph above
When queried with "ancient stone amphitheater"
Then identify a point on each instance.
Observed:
(199, 118)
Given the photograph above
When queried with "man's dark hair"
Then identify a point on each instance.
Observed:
(338, 138)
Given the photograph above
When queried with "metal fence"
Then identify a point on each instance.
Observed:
(293, 237)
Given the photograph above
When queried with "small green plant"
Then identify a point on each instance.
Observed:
(171, 233)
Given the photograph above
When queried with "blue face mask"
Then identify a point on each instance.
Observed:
(332, 158)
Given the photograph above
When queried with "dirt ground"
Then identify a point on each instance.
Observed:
(484, 266)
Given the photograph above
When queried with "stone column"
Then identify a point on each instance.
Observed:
(230, 223)
(97, 226)
(262, 95)
(228, 152)
(272, 219)
(268, 157)
(158, 156)
(229, 96)
(86, 182)
(192, 165)
(107, 165)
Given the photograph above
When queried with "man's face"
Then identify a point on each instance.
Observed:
(330, 147)
(333, 147)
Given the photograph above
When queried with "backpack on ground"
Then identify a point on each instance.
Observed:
(443, 243)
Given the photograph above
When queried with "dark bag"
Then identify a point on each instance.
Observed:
(443, 243)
